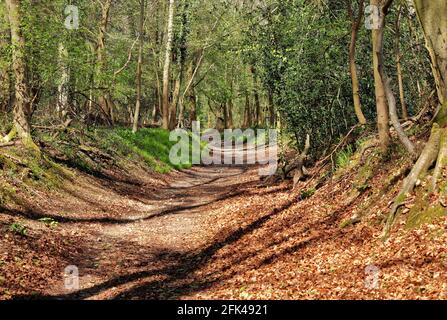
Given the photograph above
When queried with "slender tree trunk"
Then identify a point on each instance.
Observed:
(5, 78)
(224, 108)
(156, 111)
(22, 103)
(381, 101)
(104, 99)
(272, 114)
(193, 69)
(230, 114)
(175, 100)
(399, 67)
(168, 53)
(193, 105)
(355, 27)
(247, 112)
(257, 110)
(136, 117)
(62, 89)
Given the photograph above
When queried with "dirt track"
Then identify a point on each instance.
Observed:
(155, 241)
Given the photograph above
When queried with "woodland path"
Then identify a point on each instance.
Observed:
(152, 252)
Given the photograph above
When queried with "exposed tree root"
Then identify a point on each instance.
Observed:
(7, 144)
(10, 136)
(298, 165)
(426, 160)
(442, 160)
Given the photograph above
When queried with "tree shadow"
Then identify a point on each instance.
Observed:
(179, 279)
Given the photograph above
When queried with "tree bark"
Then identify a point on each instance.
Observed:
(382, 107)
(381, 103)
(22, 103)
(355, 27)
(104, 100)
(395, 120)
(433, 18)
(62, 89)
(175, 100)
(399, 67)
(167, 64)
(272, 113)
(257, 110)
(230, 114)
(193, 69)
(5, 76)
(247, 112)
(136, 117)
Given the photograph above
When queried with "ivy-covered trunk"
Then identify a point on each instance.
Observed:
(22, 103)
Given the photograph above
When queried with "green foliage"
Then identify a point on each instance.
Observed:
(153, 146)
(49, 222)
(343, 157)
(18, 229)
(306, 194)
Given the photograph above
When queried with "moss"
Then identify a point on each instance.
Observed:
(306, 194)
(441, 118)
(345, 223)
(7, 192)
(401, 198)
(365, 173)
(47, 173)
(6, 164)
(11, 135)
(420, 215)
(443, 188)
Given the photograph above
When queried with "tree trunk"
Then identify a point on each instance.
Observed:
(175, 100)
(192, 72)
(257, 110)
(247, 112)
(230, 114)
(101, 56)
(168, 53)
(62, 89)
(272, 114)
(381, 103)
(399, 67)
(136, 117)
(395, 120)
(192, 105)
(22, 103)
(5, 76)
(224, 109)
(355, 27)
(433, 18)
